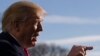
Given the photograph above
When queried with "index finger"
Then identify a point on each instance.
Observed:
(89, 48)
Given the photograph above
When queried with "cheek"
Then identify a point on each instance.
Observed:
(31, 30)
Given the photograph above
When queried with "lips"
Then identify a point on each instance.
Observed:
(33, 39)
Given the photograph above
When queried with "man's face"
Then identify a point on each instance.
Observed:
(30, 30)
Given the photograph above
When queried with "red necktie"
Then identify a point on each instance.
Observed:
(26, 52)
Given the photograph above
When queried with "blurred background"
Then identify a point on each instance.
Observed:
(68, 23)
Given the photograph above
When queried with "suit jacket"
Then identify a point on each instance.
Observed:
(9, 46)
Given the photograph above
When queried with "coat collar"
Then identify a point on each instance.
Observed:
(7, 36)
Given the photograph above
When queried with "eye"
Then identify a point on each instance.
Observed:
(36, 25)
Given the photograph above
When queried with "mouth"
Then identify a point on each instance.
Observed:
(33, 39)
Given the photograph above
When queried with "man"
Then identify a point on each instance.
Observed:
(21, 25)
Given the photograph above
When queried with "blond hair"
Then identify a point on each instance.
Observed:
(17, 12)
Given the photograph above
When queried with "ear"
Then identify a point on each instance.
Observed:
(17, 26)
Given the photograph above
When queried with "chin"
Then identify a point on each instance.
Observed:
(33, 44)
(29, 45)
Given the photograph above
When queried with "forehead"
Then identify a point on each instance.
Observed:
(35, 17)
(38, 15)
(41, 14)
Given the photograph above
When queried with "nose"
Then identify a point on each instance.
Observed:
(39, 28)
